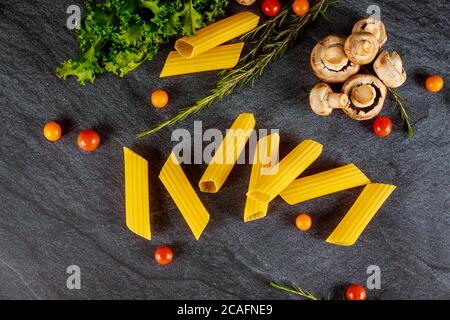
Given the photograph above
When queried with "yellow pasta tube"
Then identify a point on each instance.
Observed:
(358, 217)
(137, 208)
(184, 196)
(223, 57)
(266, 153)
(216, 34)
(227, 153)
(324, 183)
(289, 168)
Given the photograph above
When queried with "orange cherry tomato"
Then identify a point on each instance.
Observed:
(163, 255)
(88, 140)
(160, 98)
(355, 292)
(434, 83)
(52, 131)
(382, 126)
(300, 7)
(303, 222)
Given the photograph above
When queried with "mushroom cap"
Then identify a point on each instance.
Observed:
(318, 99)
(329, 61)
(389, 68)
(373, 26)
(367, 95)
(361, 48)
(246, 2)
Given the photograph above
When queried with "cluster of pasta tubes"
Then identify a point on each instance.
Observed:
(205, 51)
(269, 178)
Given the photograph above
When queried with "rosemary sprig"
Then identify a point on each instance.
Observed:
(271, 40)
(400, 103)
(295, 290)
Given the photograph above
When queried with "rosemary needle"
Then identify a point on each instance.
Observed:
(400, 103)
(294, 290)
(271, 40)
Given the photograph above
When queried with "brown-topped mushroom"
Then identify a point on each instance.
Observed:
(329, 61)
(367, 94)
(361, 48)
(389, 68)
(323, 100)
(373, 26)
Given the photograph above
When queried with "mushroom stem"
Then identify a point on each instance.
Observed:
(334, 57)
(363, 95)
(323, 100)
(337, 100)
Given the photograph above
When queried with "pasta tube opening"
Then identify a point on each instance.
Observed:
(184, 48)
(257, 215)
(208, 186)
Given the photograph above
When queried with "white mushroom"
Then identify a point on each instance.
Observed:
(389, 68)
(367, 95)
(361, 48)
(373, 26)
(246, 2)
(329, 61)
(323, 100)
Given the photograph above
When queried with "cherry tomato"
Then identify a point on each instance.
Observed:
(434, 83)
(88, 140)
(160, 98)
(355, 292)
(303, 222)
(163, 255)
(382, 126)
(300, 7)
(271, 7)
(52, 131)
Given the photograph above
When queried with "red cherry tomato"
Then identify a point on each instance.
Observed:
(88, 140)
(271, 7)
(355, 292)
(382, 126)
(300, 7)
(163, 255)
(52, 131)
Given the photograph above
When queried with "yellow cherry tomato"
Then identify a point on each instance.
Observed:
(300, 7)
(434, 83)
(303, 222)
(160, 98)
(52, 131)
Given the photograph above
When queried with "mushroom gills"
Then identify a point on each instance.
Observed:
(330, 62)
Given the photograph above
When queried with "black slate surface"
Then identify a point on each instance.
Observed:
(61, 207)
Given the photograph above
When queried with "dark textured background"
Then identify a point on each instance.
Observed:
(60, 206)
